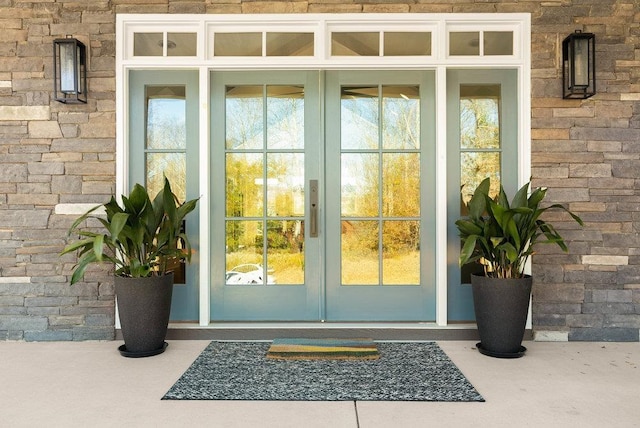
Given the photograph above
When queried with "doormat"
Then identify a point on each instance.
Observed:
(323, 349)
(415, 371)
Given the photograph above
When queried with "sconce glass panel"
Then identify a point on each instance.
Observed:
(579, 65)
(69, 71)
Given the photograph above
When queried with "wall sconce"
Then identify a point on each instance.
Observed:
(69, 71)
(579, 65)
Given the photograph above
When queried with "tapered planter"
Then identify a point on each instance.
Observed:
(144, 306)
(501, 307)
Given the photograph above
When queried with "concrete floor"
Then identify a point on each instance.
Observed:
(90, 385)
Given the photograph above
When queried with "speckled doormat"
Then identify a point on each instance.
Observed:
(404, 372)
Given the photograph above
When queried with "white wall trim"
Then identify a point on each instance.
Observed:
(205, 201)
(441, 197)
(122, 113)
(524, 119)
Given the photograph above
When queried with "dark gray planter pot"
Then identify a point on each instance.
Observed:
(144, 306)
(501, 307)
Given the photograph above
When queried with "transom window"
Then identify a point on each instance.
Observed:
(313, 40)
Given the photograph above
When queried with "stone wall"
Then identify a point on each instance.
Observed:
(588, 154)
(52, 154)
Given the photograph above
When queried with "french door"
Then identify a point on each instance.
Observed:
(322, 187)
(266, 258)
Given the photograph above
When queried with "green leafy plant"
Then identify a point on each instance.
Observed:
(501, 235)
(141, 237)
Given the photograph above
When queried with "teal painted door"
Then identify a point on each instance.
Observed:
(265, 161)
(321, 189)
(380, 179)
(163, 140)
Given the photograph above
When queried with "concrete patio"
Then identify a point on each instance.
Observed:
(88, 384)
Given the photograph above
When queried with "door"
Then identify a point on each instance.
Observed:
(380, 179)
(321, 189)
(265, 164)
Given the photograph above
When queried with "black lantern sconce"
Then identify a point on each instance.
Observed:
(579, 65)
(69, 71)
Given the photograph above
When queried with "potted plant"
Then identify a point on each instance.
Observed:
(500, 235)
(143, 239)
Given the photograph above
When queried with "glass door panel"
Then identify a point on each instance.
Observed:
(262, 165)
(265, 182)
(381, 134)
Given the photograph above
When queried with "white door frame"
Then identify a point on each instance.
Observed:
(440, 26)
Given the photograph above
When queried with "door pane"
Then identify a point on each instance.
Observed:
(244, 261)
(400, 117)
(245, 192)
(360, 117)
(171, 165)
(285, 184)
(360, 184)
(401, 184)
(479, 116)
(285, 117)
(401, 253)
(244, 117)
(475, 167)
(166, 117)
(285, 251)
(360, 254)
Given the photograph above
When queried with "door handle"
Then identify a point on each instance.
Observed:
(313, 208)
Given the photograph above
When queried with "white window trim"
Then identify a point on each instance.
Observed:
(322, 24)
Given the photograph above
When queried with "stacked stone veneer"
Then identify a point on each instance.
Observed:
(54, 156)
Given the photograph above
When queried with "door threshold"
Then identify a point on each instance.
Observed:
(320, 325)
(269, 331)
